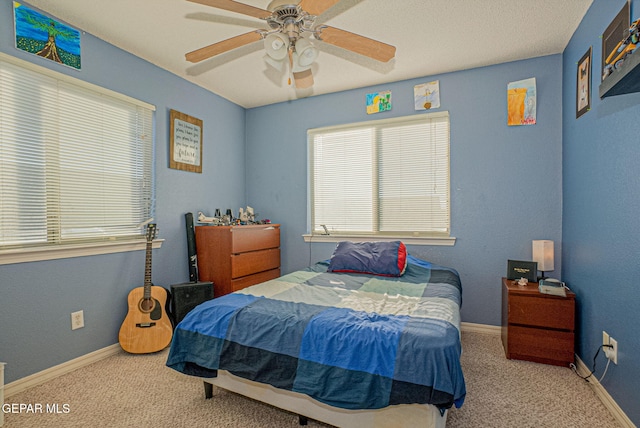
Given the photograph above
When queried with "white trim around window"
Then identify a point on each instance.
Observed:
(436, 241)
(24, 255)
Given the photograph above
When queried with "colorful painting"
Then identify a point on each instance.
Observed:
(43, 36)
(379, 101)
(427, 95)
(521, 102)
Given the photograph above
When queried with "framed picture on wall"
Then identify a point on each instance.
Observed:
(583, 86)
(185, 142)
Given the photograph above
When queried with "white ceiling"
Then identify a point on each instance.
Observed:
(431, 37)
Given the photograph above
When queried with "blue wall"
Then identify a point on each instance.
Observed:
(36, 299)
(601, 202)
(572, 181)
(505, 181)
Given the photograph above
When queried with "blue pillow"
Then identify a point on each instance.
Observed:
(375, 258)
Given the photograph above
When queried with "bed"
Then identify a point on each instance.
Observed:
(369, 338)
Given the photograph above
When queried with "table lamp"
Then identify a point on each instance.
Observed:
(543, 254)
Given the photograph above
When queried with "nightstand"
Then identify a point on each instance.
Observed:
(537, 327)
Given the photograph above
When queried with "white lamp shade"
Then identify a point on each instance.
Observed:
(306, 54)
(543, 254)
(278, 65)
(276, 45)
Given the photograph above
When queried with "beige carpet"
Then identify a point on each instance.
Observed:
(139, 391)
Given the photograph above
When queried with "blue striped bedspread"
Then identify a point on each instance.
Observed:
(348, 340)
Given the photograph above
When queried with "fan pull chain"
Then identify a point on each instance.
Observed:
(290, 64)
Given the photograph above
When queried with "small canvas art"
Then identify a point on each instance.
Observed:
(43, 36)
(426, 96)
(521, 102)
(379, 101)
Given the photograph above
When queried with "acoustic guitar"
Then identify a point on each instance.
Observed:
(147, 327)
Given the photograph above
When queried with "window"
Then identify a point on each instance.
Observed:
(76, 160)
(385, 178)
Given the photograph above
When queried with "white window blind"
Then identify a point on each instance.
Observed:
(388, 177)
(76, 161)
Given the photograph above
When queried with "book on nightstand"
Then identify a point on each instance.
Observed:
(553, 287)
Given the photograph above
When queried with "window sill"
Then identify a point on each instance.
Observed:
(408, 240)
(23, 255)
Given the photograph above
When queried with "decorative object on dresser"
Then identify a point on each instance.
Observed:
(235, 257)
(147, 327)
(537, 327)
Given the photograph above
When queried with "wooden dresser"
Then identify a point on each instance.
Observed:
(537, 327)
(235, 257)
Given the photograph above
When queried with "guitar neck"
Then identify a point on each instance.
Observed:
(151, 233)
(147, 272)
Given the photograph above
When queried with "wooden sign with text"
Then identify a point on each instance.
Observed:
(185, 148)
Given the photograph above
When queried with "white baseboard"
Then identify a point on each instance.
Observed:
(604, 396)
(480, 328)
(55, 371)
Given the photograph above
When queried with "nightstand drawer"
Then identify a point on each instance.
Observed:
(546, 346)
(542, 311)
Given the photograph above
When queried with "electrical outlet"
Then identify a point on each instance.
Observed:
(613, 351)
(77, 320)
(610, 351)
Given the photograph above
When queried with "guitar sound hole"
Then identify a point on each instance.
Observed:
(147, 305)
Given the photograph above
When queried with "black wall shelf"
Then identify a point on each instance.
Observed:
(624, 80)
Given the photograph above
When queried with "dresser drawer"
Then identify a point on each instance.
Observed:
(251, 238)
(257, 278)
(253, 262)
(534, 344)
(542, 311)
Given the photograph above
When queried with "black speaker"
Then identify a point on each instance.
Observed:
(185, 297)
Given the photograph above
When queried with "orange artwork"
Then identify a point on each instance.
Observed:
(521, 102)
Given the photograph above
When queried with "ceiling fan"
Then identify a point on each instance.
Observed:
(289, 21)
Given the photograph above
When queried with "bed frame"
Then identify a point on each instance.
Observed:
(403, 415)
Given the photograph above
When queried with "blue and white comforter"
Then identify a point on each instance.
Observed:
(348, 340)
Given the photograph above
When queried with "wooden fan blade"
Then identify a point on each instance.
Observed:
(223, 46)
(234, 6)
(316, 7)
(356, 43)
(303, 79)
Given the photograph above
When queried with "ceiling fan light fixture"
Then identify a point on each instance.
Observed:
(276, 45)
(306, 53)
(278, 65)
(298, 66)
